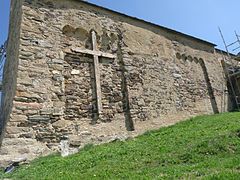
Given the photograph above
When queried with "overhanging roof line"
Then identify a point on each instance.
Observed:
(153, 24)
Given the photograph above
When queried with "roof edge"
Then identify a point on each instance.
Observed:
(151, 23)
(225, 52)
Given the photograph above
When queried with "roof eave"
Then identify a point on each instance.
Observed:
(153, 24)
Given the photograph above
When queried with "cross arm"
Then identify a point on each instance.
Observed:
(96, 53)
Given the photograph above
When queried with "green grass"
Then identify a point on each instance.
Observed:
(205, 147)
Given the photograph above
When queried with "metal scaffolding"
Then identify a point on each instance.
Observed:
(231, 68)
(3, 49)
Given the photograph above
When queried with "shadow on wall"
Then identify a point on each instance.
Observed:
(210, 90)
(232, 104)
(209, 87)
(124, 88)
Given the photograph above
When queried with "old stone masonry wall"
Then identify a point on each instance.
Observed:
(149, 77)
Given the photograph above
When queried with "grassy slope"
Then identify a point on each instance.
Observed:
(206, 147)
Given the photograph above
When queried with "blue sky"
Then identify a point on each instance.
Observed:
(199, 18)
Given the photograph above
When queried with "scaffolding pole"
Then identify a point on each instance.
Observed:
(231, 68)
(3, 49)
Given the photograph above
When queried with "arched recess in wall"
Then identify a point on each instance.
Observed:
(77, 33)
(210, 90)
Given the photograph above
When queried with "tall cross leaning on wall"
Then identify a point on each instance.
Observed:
(96, 54)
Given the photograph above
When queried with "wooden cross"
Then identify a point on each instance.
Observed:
(96, 54)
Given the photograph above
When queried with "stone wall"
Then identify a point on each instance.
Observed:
(158, 78)
(9, 80)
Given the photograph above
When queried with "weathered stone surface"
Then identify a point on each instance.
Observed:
(19, 148)
(61, 124)
(75, 72)
(64, 146)
(153, 78)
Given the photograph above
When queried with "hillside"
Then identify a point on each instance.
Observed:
(202, 147)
